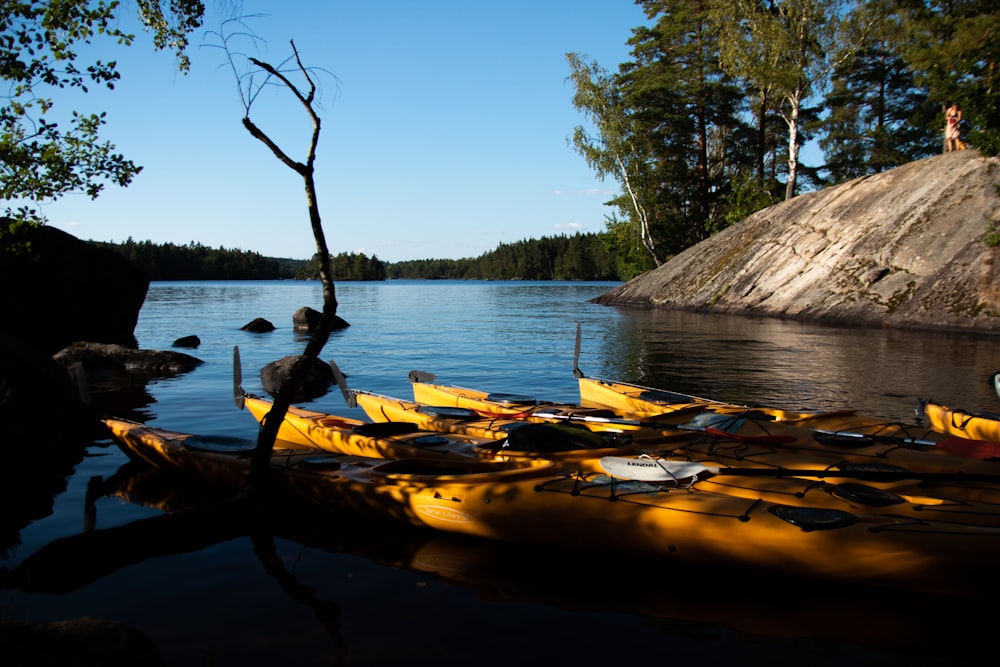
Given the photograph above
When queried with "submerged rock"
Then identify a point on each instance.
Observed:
(258, 325)
(115, 364)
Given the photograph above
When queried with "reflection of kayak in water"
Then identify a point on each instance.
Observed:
(537, 503)
(760, 608)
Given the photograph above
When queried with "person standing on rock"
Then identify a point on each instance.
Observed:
(952, 128)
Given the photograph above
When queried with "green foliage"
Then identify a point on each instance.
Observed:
(986, 141)
(748, 196)
(14, 236)
(345, 266)
(954, 51)
(577, 257)
(878, 117)
(702, 127)
(194, 261)
(39, 160)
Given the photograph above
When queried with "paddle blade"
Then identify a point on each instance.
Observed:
(349, 396)
(646, 469)
(577, 373)
(422, 376)
(239, 396)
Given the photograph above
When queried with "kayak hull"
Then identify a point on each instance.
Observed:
(539, 503)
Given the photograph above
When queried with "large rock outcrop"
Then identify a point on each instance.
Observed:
(904, 248)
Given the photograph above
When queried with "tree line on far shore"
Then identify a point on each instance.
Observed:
(577, 257)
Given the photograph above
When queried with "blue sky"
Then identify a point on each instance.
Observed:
(446, 136)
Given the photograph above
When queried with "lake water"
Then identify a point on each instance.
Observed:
(338, 591)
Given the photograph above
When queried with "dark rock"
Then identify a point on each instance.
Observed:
(307, 319)
(77, 643)
(187, 341)
(119, 366)
(318, 381)
(67, 290)
(258, 325)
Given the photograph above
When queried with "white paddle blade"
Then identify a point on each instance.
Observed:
(349, 398)
(239, 396)
(646, 469)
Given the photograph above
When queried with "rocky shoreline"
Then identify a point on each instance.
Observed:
(904, 248)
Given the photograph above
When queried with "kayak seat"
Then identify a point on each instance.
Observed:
(561, 438)
(510, 399)
(219, 443)
(448, 412)
(385, 429)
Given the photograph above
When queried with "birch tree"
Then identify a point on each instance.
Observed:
(613, 149)
(784, 50)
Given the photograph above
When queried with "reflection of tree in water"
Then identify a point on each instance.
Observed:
(196, 519)
(30, 479)
(327, 613)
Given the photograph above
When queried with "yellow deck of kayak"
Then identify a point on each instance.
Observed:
(405, 438)
(637, 400)
(961, 423)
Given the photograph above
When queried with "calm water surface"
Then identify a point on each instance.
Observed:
(352, 593)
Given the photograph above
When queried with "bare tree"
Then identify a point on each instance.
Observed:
(263, 75)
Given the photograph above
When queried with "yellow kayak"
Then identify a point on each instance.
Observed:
(846, 458)
(855, 438)
(637, 400)
(468, 421)
(534, 502)
(978, 426)
(408, 438)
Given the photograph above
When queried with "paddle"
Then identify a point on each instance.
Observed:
(239, 396)
(964, 447)
(349, 397)
(709, 430)
(873, 437)
(648, 469)
(577, 373)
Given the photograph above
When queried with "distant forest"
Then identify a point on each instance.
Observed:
(577, 257)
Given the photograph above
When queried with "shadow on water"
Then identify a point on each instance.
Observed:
(747, 615)
(32, 477)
